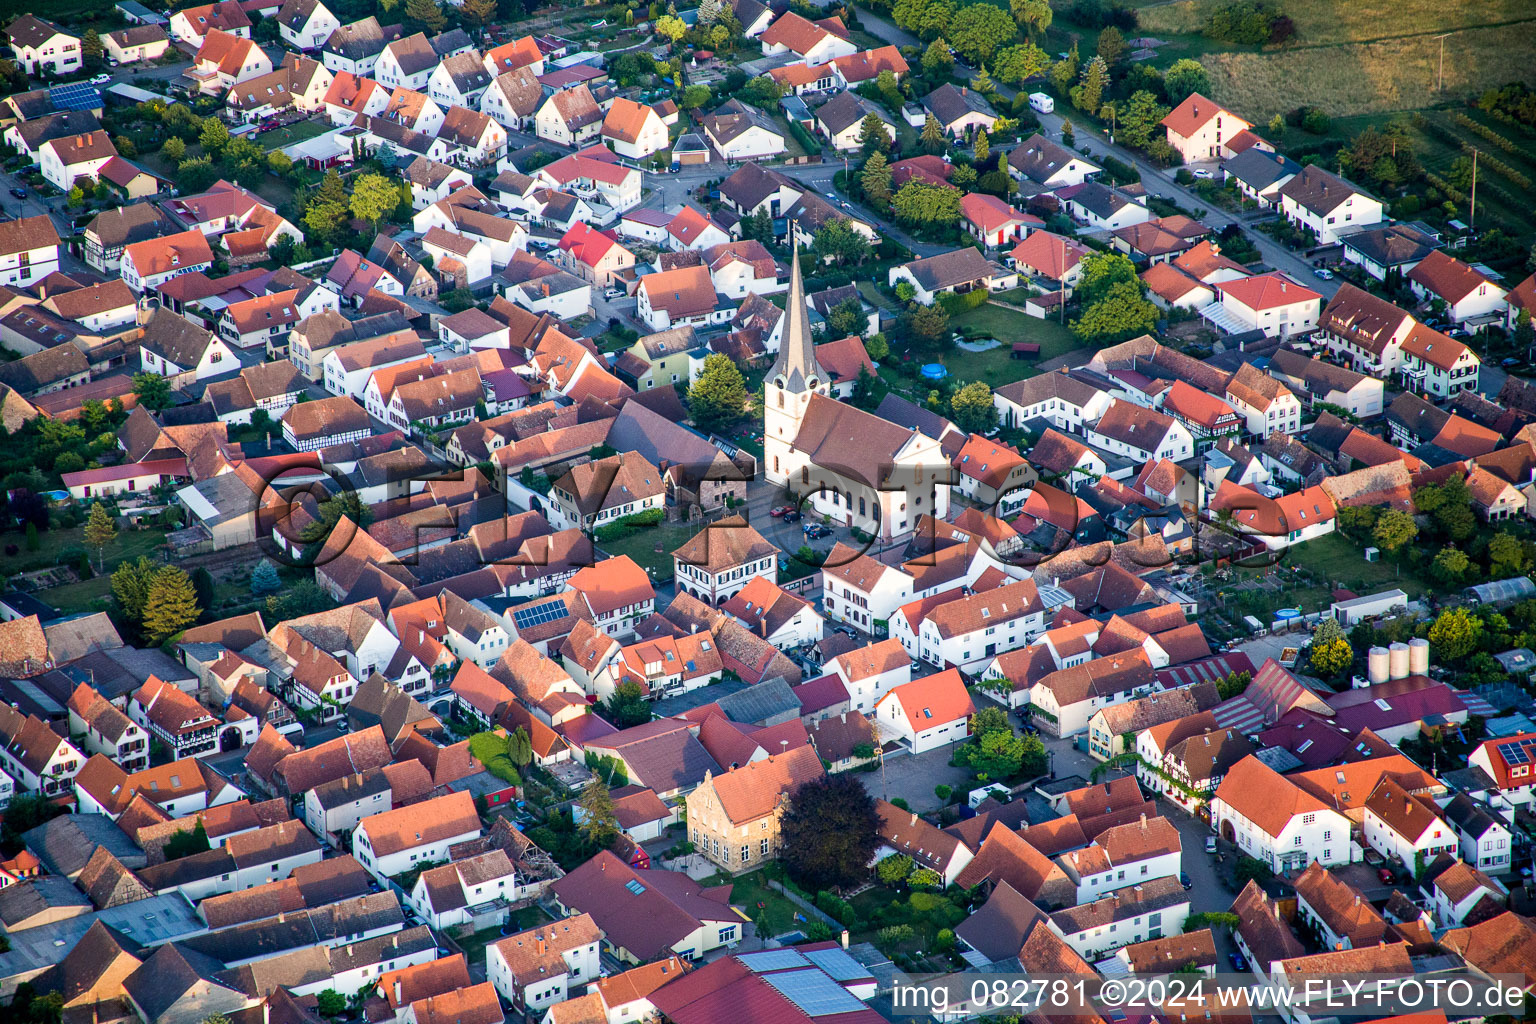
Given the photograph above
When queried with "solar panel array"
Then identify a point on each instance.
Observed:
(76, 96)
(837, 963)
(814, 993)
(549, 611)
(772, 960)
(634, 887)
(1515, 753)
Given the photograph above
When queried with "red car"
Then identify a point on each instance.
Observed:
(781, 511)
(1386, 876)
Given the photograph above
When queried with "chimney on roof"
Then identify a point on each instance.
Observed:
(398, 995)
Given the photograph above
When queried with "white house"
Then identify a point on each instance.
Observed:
(36, 757)
(42, 47)
(1276, 822)
(1099, 206)
(1201, 129)
(634, 130)
(739, 132)
(539, 967)
(393, 842)
(926, 713)
(774, 614)
(1438, 365)
(861, 590)
(1486, 843)
(407, 62)
(29, 250)
(971, 630)
(306, 24)
(1123, 857)
(192, 25)
(1265, 403)
(64, 161)
(1396, 824)
(1147, 911)
(1465, 291)
(813, 42)
(1044, 162)
(1326, 204)
(467, 891)
(956, 272)
(459, 81)
(721, 558)
(182, 351)
(570, 117)
(1140, 434)
(1066, 401)
(1271, 303)
(1460, 888)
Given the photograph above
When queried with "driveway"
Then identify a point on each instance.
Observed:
(913, 777)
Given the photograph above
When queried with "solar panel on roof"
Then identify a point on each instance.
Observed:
(838, 964)
(634, 887)
(549, 611)
(76, 96)
(772, 960)
(1515, 753)
(814, 993)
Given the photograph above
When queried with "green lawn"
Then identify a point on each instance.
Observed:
(287, 135)
(641, 546)
(996, 366)
(82, 596)
(750, 890)
(1337, 558)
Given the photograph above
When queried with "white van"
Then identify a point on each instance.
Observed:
(1041, 103)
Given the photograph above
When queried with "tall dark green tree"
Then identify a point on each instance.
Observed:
(830, 833)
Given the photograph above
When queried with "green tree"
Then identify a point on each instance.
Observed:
(1394, 528)
(264, 578)
(214, 136)
(1101, 272)
(345, 505)
(599, 824)
(874, 137)
(875, 179)
(325, 220)
(374, 197)
(996, 756)
(427, 14)
(989, 719)
(75, 198)
(929, 324)
(982, 82)
(761, 92)
(919, 202)
(478, 12)
(100, 530)
(1507, 555)
(1456, 633)
(932, 139)
(626, 706)
(928, 18)
(1088, 96)
(91, 50)
(1016, 64)
(1450, 565)
(1184, 78)
(671, 28)
(170, 606)
(174, 149)
(866, 390)
(978, 30)
(1139, 121)
(1067, 138)
(1033, 760)
(331, 1003)
(877, 346)
(936, 59)
(130, 587)
(829, 833)
(1033, 16)
(982, 148)
(972, 408)
(840, 243)
(1331, 652)
(152, 390)
(847, 317)
(1122, 313)
(695, 96)
(520, 747)
(1455, 517)
(186, 842)
(758, 226)
(717, 399)
(1111, 46)
(893, 870)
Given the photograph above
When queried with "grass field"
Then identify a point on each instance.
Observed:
(1337, 558)
(641, 546)
(1324, 22)
(81, 596)
(287, 135)
(777, 912)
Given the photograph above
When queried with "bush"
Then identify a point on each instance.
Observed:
(629, 525)
(1242, 22)
(954, 304)
(835, 907)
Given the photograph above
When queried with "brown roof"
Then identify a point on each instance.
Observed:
(1264, 797)
(326, 417)
(724, 544)
(686, 291)
(1446, 276)
(907, 833)
(1171, 953)
(1263, 927)
(1005, 856)
(418, 824)
(1503, 945)
(1340, 906)
(539, 952)
(419, 981)
(27, 233)
(754, 790)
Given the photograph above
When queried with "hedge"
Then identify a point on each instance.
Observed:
(629, 524)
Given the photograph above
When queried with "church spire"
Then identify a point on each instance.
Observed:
(796, 364)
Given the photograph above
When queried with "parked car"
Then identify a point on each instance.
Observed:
(1509, 361)
(1210, 844)
(1238, 963)
(781, 511)
(101, 79)
(1203, 173)
(1323, 273)
(815, 531)
(19, 193)
(792, 516)
(1386, 876)
(1185, 881)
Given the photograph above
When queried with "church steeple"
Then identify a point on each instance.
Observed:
(796, 370)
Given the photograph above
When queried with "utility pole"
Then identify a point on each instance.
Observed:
(1440, 76)
(1063, 281)
(1472, 212)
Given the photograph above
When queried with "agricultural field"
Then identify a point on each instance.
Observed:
(1370, 56)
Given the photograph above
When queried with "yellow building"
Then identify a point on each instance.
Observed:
(733, 817)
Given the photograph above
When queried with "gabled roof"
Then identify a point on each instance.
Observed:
(1195, 112)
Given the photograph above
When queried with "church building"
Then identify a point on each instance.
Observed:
(857, 468)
